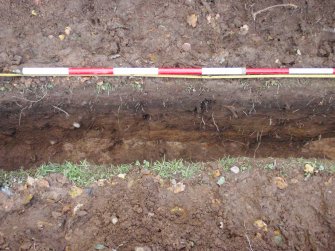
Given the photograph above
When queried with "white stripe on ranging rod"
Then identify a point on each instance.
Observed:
(223, 71)
(40, 71)
(135, 71)
(311, 71)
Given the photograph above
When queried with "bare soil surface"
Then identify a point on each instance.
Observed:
(141, 211)
(121, 120)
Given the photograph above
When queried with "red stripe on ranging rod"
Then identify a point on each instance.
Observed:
(90, 71)
(180, 71)
(257, 71)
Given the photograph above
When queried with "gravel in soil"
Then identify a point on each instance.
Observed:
(257, 208)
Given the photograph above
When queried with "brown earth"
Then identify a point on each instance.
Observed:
(154, 118)
(140, 211)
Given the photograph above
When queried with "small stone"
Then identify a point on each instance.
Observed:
(288, 60)
(216, 173)
(278, 238)
(280, 183)
(209, 19)
(3, 57)
(28, 83)
(55, 214)
(43, 224)
(186, 47)
(294, 181)
(89, 191)
(75, 191)
(329, 181)
(99, 246)
(76, 208)
(25, 246)
(261, 225)
(76, 125)
(113, 48)
(145, 172)
(27, 199)
(189, 2)
(142, 248)
(308, 169)
(67, 30)
(192, 20)
(122, 175)
(221, 181)
(258, 236)
(52, 196)
(244, 29)
(298, 52)
(17, 60)
(235, 169)
(6, 190)
(53, 142)
(138, 209)
(61, 179)
(61, 37)
(66, 208)
(42, 183)
(101, 182)
(82, 213)
(114, 220)
(178, 211)
(176, 187)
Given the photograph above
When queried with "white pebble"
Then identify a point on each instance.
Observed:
(244, 29)
(114, 220)
(76, 125)
(67, 30)
(53, 142)
(186, 47)
(235, 169)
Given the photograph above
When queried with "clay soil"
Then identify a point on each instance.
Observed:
(121, 120)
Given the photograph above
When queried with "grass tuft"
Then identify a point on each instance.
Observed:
(7, 178)
(174, 168)
(84, 173)
(227, 162)
(104, 87)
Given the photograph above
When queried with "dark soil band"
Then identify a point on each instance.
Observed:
(123, 129)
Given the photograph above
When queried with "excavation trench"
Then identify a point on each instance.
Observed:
(196, 131)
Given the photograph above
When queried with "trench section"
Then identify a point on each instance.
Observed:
(124, 134)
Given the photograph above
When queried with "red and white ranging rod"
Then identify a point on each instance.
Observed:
(62, 71)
